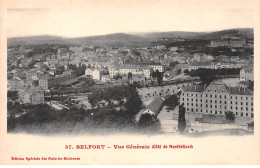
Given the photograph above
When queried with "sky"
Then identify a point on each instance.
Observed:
(93, 20)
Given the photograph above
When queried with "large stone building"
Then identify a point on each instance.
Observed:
(46, 81)
(31, 95)
(136, 68)
(247, 74)
(218, 98)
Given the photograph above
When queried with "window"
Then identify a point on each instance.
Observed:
(231, 107)
(241, 108)
(206, 95)
(246, 114)
(246, 103)
(236, 108)
(206, 105)
(252, 115)
(187, 99)
(236, 97)
(241, 103)
(220, 101)
(191, 99)
(210, 95)
(225, 96)
(241, 114)
(246, 109)
(196, 105)
(216, 112)
(241, 97)
(215, 91)
(188, 109)
(196, 100)
(236, 103)
(236, 113)
(230, 102)
(252, 109)
(216, 106)
(200, 100)
(215, 96)
(206, 100)
(206, 111)
(210, 106)
(219, 96)
(225, 102)
(246, 98)
(215, 101)
(220, 112)
(200, 105)
(225, 107)
(210, 101)
(251, 104)
(191, 104)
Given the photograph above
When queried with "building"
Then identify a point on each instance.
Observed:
(155, 106)
(219, 43)
(15, 84)
(218, 98)
(46, 81)
(96, 74)
(197, 65)
(247, 74)
(88, 72)
(136, 69)
(31, 95)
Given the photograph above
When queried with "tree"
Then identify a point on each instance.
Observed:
(159, 77)
(130, 75)
(230, 116)
(186, 71)
(181, 119)
(149, 122)
(171, 102)
(192, 73)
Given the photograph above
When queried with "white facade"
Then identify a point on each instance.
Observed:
(96, 74)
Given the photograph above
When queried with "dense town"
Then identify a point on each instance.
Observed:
(184, 86)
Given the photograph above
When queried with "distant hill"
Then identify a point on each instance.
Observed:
(44, 39)
(173, 34)
(247, 33)
(116, 37)
(136, 39)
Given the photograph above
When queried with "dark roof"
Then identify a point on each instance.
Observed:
(193, 88)
(155, 105)
(200, 63)
(243, 83)
(240, 91)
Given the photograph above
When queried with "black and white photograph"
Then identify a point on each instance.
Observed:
(74, 72)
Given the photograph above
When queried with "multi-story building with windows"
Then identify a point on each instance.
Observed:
(218, 98)
(136, 68)
(247, 74)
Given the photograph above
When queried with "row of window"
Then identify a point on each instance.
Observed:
(220, 112)
(225, 102)
(216, 96)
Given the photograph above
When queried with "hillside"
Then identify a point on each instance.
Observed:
(247, 33)
(136, 39)
(116, 37)
(36, 40)
(173, 34)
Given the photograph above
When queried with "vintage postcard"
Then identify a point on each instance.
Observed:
(129, 82)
